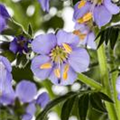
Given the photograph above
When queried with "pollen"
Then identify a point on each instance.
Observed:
(65, 73)
(82, 4)
(85, 18)
(57, 72)
(46, 66)
(67, 48)
(79, 34)
(58, 54)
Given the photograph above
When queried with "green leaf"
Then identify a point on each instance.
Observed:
(75, 1)
(53, 103)
(96, 102)
(30, 30)
(9, 55)
(67, 108)
(22, 73)
(105, 97)
(22, 60)
(83, 106)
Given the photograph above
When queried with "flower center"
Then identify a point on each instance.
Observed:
(59, 54)
(97, 2)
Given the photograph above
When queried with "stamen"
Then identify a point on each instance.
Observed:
(79, 34)
(82, 4)
(67, 48)
(85, 18)
(65, 73)
(57, 73)
(46, 66)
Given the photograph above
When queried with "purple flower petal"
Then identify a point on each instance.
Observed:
(14, 46)
(79, 60)
(44, 4)
(27, 117)
(118, 96)
(82, 27)
(35, 66)
(43, 99)
(65, 37)
(90, 40)
(44, 43)
(3, 12)
(78, 13)
(26, 91)
(118, 84)
(114, 9)
(102, 12)
(31, 109)
(6, 63)
(2, 24)
(70, 78)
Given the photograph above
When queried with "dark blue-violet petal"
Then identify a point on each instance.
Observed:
(3, 12)
(14, 46)
(2, 24)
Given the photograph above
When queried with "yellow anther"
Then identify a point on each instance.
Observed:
(79, 34)
(57, 73)
(82, 4)
(65, 73)
(46, 66)
(85, 18)
(67, 48)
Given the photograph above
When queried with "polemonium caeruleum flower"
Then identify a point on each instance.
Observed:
(44, 4)
(26, 92)
(4, 16)
(118, 87)
(5, 82)
(19, 45)
(100, 11)
(60, 58)
(86, 35)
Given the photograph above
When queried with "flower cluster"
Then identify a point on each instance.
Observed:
(26, 91)
(88, 11)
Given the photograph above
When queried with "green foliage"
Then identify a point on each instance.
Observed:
(109, 35)
(85, 100)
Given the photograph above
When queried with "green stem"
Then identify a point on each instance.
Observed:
(114, 76)
(89, 81)
(105, 81)
(48, 86)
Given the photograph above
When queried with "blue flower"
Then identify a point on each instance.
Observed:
(6, 90)
(20, 45)
(100, 11)
(44, 4)
(4, 16)
(60, 57)
(86, 36)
